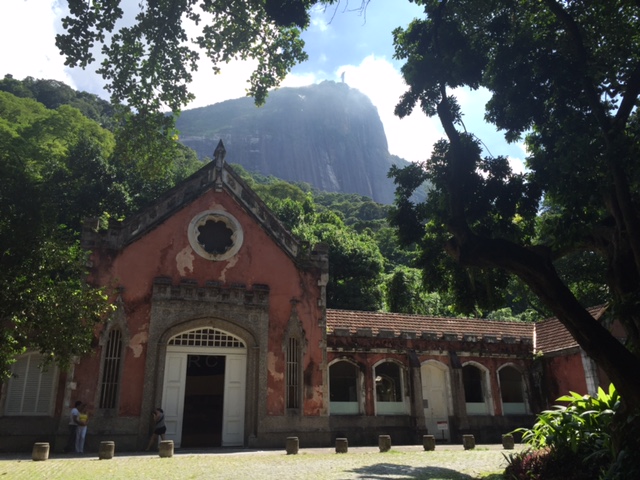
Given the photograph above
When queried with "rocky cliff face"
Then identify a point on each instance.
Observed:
(328, 135)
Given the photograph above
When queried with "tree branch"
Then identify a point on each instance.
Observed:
(629, 99)
(613, 133)
(534, 267)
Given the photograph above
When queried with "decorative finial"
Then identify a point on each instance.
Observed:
(219, 153)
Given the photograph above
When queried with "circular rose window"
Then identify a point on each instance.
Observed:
(215, 235)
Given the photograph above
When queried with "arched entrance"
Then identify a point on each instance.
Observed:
(435, 396)
(204, 389)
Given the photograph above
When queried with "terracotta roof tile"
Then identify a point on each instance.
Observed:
(547, 335)
(552, 336)
(402, 323)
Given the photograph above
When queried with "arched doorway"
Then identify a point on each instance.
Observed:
(435, 397)
(204, 389)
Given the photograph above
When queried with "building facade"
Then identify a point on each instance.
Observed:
(221, 320)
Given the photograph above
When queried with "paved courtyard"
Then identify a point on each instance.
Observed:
(449, 462)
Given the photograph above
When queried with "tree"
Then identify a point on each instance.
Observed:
(148, 62)
(58, 167)
(53, 94)
(566, 77)
(42, 267)
(404, 293)
(355, 264)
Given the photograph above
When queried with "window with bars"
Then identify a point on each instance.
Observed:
(111, 370)
(206, 337)
(293, 373)
(30, 389)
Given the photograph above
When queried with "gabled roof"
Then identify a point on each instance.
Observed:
(420, 325)
(216, 175)
(552, 336)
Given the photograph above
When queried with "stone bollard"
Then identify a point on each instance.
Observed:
(40, 451)
(507, 441)
(165, 449)
(106, 450)
(292, 445)
(342, 445)
(384, 443)
(429, 442)
(469, 442)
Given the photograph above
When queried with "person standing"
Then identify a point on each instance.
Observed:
(73, 428)
(81, 432)
(159, 428)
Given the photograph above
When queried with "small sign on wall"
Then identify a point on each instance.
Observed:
(443, 425)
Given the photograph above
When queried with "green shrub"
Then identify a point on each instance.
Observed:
(568, 442)
(550, 464)
(527, 464)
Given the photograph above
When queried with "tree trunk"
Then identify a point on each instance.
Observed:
(536, 270)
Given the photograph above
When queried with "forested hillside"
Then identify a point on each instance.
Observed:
(59, 166)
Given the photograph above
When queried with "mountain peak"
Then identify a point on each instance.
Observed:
(328, 135)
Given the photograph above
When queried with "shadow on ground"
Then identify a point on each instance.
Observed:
(384, 471)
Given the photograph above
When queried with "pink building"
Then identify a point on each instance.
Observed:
(221, 320)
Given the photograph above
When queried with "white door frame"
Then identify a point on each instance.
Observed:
(173, 391)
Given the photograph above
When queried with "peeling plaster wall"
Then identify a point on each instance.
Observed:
(165, 252)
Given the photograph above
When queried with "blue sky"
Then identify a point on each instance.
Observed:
(340, 40)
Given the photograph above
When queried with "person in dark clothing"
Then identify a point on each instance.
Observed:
(159, 428)
(73, 427)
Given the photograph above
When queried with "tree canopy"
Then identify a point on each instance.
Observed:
(43, 154)
(148, 62)
(355, 263)
(565, 78)
(57, 167)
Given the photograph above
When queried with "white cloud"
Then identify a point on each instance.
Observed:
(303, 80)
(27, 35)
(411, 137)
(232, 82)
(317, 20)
(517, 165)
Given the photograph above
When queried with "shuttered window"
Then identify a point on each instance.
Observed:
(293, 374)
(111, 370)
(30, 389)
